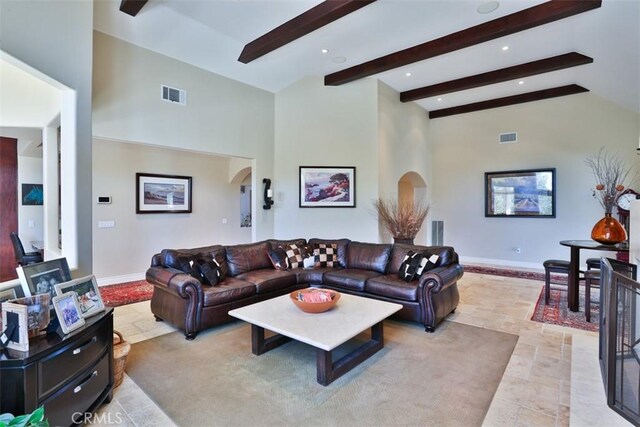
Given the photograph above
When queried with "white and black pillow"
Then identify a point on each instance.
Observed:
(210, 271)
(414, 264)
(325, 255)
(278, 258)
(294, 256)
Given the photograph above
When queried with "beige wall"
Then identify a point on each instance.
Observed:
(557, 133)
(318, 125)
(126, 249)
(222, 116)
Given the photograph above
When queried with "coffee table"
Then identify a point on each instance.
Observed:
(324, 331)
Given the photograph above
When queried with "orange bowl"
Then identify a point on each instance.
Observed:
(314, 307)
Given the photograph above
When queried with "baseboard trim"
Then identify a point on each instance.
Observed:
(500, 262)
(105, 281)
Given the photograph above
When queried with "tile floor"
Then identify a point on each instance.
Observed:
(552, 379)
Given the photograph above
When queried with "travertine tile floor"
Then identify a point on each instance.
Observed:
(545, 384)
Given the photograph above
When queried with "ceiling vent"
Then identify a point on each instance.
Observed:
(174, 95)
(508, 138)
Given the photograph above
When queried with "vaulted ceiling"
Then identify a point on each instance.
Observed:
(458, 54)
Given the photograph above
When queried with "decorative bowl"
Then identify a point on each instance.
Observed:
(314, 307)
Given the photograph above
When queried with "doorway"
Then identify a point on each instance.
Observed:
(412, 188)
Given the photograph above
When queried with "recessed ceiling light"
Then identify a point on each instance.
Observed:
(505, 47)
(407, 74)
(521, 82)
(325, 51)
(339, 59)
(488, 7)
(439, 99)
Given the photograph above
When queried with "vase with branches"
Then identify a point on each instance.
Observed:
(402, 220)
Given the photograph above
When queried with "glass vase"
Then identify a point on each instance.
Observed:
(608, 231)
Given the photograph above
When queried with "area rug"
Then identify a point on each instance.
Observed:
(520, 274)
(126, 293)
(558, 313)
(442, 379)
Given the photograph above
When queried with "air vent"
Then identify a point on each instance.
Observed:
(174, 95)
(508, 138)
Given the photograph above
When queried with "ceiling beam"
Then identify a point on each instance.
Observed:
(533, 68)
(303, 24)
(132, 7)
(509, 100)
(500, 27)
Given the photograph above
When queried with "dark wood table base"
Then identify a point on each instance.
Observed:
(327, 370)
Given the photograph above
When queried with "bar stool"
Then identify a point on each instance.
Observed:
(591, 278)
(593, 263)
(552, 266)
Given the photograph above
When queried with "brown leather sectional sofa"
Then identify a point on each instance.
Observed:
(366, 269)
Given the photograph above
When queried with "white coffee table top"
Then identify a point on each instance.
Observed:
(327, 330)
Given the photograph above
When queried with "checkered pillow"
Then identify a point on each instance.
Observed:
(294, 256)
(325, 255)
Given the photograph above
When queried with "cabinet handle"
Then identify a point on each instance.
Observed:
(83, 346)
(78, 389)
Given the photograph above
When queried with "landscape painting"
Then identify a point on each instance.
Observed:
(322, 186)
(524, 193)
(163, 193)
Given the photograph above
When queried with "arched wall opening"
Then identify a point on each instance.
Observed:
(412, 188)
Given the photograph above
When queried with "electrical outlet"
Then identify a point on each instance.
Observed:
(106, 224)
(224, 220)
(517, 250)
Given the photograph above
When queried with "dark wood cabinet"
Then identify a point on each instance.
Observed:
(70, 375)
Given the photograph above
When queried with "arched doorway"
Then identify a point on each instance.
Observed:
(413, 188)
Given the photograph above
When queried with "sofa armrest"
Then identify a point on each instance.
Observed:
(184, 285)
(440, 278)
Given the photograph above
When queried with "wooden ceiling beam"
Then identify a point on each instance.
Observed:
(132, 7)
(303, 24)
(533, 68)
(510, 24)
(509, 100)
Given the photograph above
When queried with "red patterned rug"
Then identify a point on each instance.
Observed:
(558, 313)
(531, 275)
(126, 293)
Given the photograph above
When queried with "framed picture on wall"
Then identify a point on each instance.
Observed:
(521, 193)
(163, 193)
(32, 195)
(327, 186)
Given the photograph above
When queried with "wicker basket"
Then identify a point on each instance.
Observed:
(120, 351)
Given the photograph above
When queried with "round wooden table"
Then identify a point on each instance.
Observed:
(574, 264)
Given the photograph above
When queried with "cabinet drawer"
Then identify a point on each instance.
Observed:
(59, 367)
(78, 395)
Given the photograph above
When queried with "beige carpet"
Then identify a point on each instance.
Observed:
(443, 379)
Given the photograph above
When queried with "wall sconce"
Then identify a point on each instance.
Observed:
(268, 194)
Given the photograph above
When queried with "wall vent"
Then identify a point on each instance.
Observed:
(508, 138)
(173, 95)
(437, 233)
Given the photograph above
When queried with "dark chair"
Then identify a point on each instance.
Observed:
(21, 257)
(553, 266)
(591, 278)
(593, 263)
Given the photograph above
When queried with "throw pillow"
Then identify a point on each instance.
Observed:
(414, 264)
(278, 258)
(325, 255)
(294, 256)
(210, 271)
(188, 265)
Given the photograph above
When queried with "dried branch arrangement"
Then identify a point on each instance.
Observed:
(611, 175)
(403, 220)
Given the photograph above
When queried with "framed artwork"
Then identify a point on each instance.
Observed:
(9, 292)
(327, 187)
(521, 193)
(32, 195)
(163, 193)
(68, 312)
(87, 292)
(14, 319)
(42, 277)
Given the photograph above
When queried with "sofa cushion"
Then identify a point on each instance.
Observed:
(278, 258)
(349, 278)
(368, 256)
(312, 275)
(230, 289)
(243, 258)
(392, 286)
(268, 280)
(295, 255)
(446, 255)
(210, 271)
(325, 255)
(341, 244)
(168, 257)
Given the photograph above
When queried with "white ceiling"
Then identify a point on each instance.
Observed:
(210, 34)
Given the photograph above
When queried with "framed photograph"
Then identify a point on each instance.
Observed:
(9, 292)
(88, 294)
(68, 312)
(163, 193)
(327, 187)
(522, 193)
(14, 318)
(32, 195)
(42, 277)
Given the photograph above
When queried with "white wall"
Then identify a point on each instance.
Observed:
(558, 133)
(318, 125)
(30, 218)
(124, 252)
(403, 135)
(222, 117)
